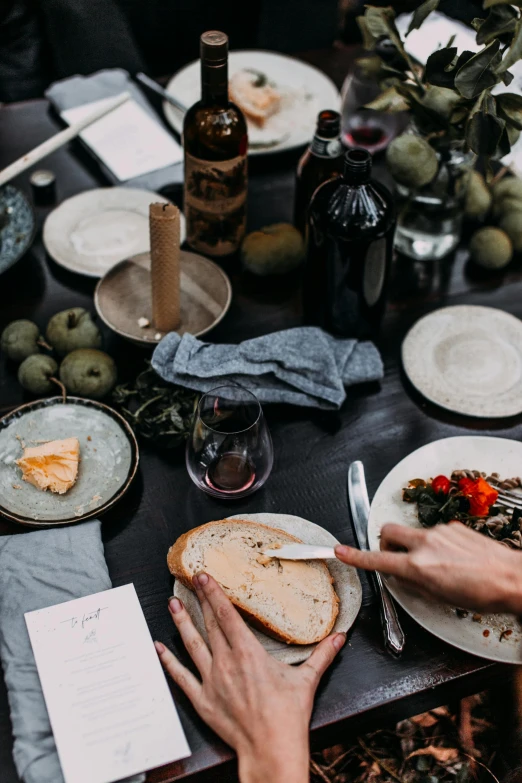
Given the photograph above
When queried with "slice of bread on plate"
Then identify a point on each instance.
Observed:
(293, 601)
(257, 99)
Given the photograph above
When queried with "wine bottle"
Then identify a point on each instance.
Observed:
(215, 147)
(321, 161)
(351, 224)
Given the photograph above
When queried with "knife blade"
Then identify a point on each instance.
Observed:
(301, 552)
(394, 638)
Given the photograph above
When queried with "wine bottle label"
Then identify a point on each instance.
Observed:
(215, 204)
(326, 148)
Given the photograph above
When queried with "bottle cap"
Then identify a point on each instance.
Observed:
(43, 186)
(329, 122)
(357, 166)
(214, 47)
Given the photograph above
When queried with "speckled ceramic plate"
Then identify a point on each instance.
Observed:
(467, 359)
(91, 232)
(17, 226)
(305, 90)
(346, 583)
(108, 460)
(442, 457)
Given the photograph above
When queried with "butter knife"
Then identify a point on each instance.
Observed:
(301, 552)
(394, 638)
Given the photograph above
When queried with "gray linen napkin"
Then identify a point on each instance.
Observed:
(301, 366)
(77, 90)
(40, 569)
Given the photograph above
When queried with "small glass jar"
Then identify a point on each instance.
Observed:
(429, 219)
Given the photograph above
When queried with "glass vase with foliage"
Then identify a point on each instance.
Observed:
(460, 112)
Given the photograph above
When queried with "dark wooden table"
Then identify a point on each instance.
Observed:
(379, 424)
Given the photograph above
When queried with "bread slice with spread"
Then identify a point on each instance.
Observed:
(292, 601)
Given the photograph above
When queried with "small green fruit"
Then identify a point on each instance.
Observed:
(511, 223)
(34, 374)
(478, 197)
(491, 248)
(72, 329)
(507, 187)
(513, 134)
(273, 250)
(88, 372)
(20, 340)
(412, 161)
(505, 205)
(441, 100)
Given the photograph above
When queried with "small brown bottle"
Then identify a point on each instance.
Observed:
(215, 144)
(321, 161)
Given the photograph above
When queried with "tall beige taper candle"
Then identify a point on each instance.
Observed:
(165, 273)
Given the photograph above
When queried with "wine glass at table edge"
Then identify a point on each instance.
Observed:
(215, 143)
(229, 453)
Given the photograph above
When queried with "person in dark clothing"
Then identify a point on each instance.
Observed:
(45, 40)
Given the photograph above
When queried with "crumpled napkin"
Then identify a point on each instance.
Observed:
(40, 569)
(301, 366)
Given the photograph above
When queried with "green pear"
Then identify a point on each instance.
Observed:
(72, 329)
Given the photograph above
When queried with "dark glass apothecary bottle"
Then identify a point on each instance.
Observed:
(350, 243)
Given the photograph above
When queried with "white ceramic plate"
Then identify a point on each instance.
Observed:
(346, 583)
(442, 457)
(108, 460)
(467, 359)
(91, 232)
(305, 89)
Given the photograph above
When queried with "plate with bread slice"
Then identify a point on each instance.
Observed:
(280, 97)
(290, 605)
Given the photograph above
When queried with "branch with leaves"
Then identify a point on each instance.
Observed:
(451, 98)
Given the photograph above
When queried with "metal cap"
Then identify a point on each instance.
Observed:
(214, 47)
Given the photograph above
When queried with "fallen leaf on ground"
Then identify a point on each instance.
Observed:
(425, 719)
(440, 754)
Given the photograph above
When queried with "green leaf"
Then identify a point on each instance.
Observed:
(491, 3)
(509, 106)
(503, 146)
(514, 53)
(380, 23)
(483, 132)
(436, 70)
(478, 73)
(500, 20)
(389, 101)
(507, 77)
(421, 14)
(368, 40)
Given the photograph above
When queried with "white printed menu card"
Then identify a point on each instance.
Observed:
(109, 704)
(128, 140)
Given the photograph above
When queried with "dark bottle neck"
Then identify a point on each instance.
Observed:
(357, 167)
(326, 142)
(214, 83)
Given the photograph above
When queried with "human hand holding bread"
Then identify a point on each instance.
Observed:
(258, 705)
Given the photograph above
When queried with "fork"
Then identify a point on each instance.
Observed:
(508, 498)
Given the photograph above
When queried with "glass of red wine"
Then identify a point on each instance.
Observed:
(229, 453)
(372, 130)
